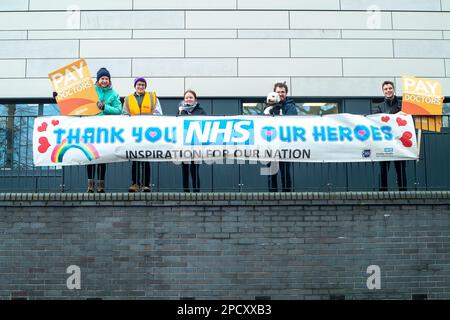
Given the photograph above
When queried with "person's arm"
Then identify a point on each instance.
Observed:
(126, 107)
(113, 106)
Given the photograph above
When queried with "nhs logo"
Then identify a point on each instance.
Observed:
(218, 132)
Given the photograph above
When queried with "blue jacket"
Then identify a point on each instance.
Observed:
(111, 99)
(289, 108)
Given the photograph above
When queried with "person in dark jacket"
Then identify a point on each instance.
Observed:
(190, 107)
(286, 107)
(390, 105)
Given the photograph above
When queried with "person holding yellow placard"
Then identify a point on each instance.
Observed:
(390, 105)
(141, 102)
(109, 104)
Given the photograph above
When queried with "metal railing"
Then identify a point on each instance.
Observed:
(18, 174)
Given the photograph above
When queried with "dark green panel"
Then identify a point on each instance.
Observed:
(225, 107)
(357, 106)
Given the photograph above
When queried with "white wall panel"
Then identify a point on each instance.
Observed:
(184, 34)
(394, 67)
(445, 5)
(39, 49)
(13, 35)
(193, 67)
(12, 68)
(132, 20)
(338, 20)
(341, 48)
(80, 34)
(37, 20)
(16, 5)
(237, 48)
(288, 4)
(81, 4)
(164, 87)
(289, 34)
(40, 68)
(14, 88)
(185, 4)
(411, 5)
(237, 19)
(391, 34)
(289, 67)
(131, 48)
(421, 20)
(337, 87)
(232, 87)
(422, 48)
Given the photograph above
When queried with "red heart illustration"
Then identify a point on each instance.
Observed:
(406, 139)
(55, 122)
(269, 133)
(42, 127)
(401, 122)
(43, 145)
(153, 134)
(385, 118)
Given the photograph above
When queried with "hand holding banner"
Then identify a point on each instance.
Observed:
(76, 91)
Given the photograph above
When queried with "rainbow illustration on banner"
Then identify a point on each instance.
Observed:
(60, 150)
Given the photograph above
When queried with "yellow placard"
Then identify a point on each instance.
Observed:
(76, 91)
(429, 123)
(422, 96)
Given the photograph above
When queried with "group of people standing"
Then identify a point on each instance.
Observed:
(145, 102)
(141, 102)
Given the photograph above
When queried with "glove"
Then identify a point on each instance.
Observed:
(101, 105)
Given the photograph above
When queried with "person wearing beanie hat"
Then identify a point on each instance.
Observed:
(141, 102)
(109, 104)
(103, 72)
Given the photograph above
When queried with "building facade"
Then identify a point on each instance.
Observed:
(227, 48)
(333, 54)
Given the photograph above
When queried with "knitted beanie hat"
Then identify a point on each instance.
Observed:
(140, 79)
(103, 72)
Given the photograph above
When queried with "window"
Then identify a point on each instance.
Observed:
(16, 133)
(305, 108)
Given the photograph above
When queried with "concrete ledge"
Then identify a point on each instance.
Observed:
(224, 199)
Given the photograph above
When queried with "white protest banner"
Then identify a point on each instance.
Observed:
(65, 140)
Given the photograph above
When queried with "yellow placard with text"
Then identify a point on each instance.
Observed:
(428, 123)
(422, 96)
(76, 91)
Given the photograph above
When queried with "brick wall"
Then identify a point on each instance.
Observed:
(225, 245)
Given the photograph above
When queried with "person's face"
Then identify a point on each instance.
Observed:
(103, 82)
(140, 87)
(189, 98)
(388, 91)
(281, 92)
